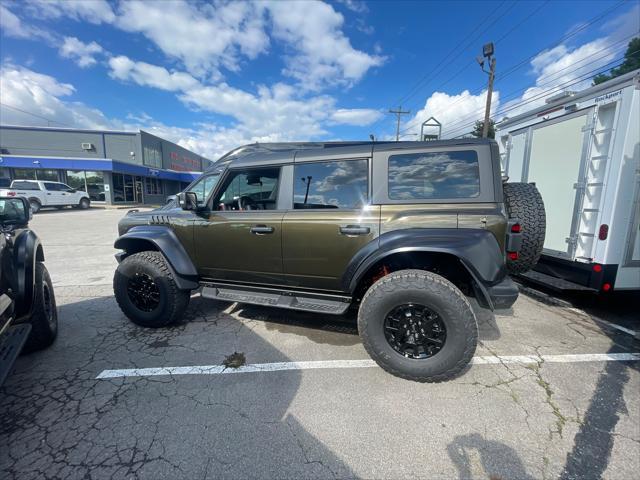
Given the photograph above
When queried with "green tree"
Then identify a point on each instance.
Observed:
(631, 62)
(477, 129)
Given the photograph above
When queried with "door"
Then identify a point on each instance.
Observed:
(555, 165)
(240, 239)
(517, 153)
(330, 222)
(138, 190)
(54, 193)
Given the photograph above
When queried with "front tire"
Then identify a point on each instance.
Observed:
(44, 317)
(417, 325)
(35, 205)
(84, 203)
(146, 291)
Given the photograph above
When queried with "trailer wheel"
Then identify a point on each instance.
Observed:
(524, 203)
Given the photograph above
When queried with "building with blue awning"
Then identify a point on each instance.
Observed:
(113, 167)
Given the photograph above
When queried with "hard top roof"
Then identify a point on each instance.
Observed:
(254, 153)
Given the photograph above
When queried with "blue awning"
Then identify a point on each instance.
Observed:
(95, 164)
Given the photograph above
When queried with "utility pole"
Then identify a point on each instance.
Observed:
(398, 113)
(487, 52)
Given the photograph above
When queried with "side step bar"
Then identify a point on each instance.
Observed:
(273, 297)
(11, 342)
(554, 283)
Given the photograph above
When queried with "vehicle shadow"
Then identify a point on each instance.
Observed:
(59, 421)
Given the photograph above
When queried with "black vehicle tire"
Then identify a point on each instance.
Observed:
(146, 291)
(84, 203)
(44, 317)
(524, 203)
(418, 287)
(35, 205)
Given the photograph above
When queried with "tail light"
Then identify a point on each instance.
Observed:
(603, 232)
(597, 268)
(512, 255)
(516, 228)
(606, 287)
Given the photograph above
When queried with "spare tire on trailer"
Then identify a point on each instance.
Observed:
(524, 203)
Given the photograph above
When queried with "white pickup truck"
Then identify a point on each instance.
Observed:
(47, 194)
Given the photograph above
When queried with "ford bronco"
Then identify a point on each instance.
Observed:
(404, 232)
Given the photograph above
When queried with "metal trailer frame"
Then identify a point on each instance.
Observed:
(607, 184)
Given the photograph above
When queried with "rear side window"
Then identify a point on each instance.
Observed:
(25, 185)
(434, 175)
(341, 184)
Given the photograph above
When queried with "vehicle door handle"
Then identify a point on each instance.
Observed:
(354, 230)
(261, 229)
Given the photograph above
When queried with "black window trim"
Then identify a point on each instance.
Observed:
(335, 160)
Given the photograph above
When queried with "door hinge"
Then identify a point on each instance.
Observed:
(572, 240)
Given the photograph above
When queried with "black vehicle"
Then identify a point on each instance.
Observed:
(28, 316)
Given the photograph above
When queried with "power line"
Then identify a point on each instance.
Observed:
(49, 121)
(399, 113)
(515, 67)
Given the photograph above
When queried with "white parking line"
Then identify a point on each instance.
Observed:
(335, 364)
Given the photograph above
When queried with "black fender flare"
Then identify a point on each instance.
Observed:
(478, 251)
(166, 242)
(27, 250)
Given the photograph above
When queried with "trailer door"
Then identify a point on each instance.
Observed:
(517, 151)
(556, 164)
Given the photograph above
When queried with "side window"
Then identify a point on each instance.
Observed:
(53, 187)
(203, 187)
(25, 185)
(255, 189)
(335, 184)
(434, 175)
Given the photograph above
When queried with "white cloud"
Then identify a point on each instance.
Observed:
(92, 11)
(323, 54)
(203, 37)
(12, 26)
(82, 53)
(145, 74)
(355, 6)
(450, 110)
(356, 116)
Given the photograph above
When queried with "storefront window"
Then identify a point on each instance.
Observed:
(5, 178)
(152, 157)
(75, 179)
(50, 175)
(153, 186)
(24, 174)
(95, 186)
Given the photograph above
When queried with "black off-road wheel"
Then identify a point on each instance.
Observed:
(44, 317)
(524, 203)
(147, 292)
(417, 325)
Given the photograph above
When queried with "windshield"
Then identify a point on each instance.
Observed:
(12, 211)
(203, 186)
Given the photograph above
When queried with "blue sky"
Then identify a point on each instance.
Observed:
(215, 75)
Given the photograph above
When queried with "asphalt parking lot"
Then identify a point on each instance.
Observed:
(554, 392)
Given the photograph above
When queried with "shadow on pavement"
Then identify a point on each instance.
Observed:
(58, 421)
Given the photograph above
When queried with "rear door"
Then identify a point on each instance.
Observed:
(331, 219)
(556, 164)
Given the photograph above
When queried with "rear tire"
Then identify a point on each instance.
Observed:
(84, 203)
(437, 295)
(524, 203)
(35, 205)
(146, 291)
(44, 318)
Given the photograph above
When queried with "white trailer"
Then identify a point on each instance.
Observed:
(582, 150)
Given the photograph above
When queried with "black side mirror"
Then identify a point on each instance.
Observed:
(188, 200)
(15, 211)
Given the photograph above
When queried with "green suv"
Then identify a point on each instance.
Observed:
(404, 232)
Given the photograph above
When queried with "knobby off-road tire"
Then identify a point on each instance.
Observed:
(44, 316)
(524, 203)
(439, 295)
(150, 269)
